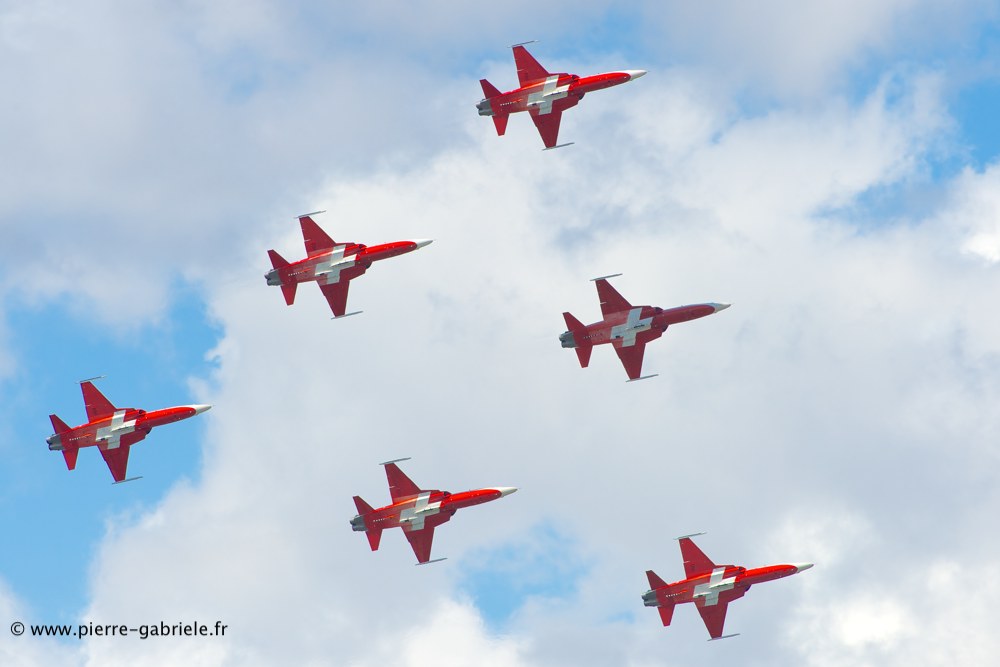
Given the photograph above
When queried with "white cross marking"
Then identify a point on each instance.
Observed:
(328, 269)
(549, 93)
(632, 326)
(112, 434)
(412, 518)
(716, 584)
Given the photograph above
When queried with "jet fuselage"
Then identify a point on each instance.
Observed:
(123, 421)
(343, 262)
(544, 92)
(428, 508)
(625, 325)
(733, 579)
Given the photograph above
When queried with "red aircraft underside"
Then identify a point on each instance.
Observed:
(330, 264)
(711, 587)
(628, 328)
(112, 430)
(545, 96)
(417, 511)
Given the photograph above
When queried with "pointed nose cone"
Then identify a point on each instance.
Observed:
(634, 74)
(720, 306)
(422, 242)
(198, 409)
(801, 566)
(505, 490)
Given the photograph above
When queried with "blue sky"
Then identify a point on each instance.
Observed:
(56, 517)
(832, 178)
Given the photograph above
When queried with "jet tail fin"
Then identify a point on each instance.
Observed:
(374, 535)
(583, 350)
(287, 289)
(69, 453)
(499, 119)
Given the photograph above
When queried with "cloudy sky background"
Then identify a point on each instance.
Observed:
(830, 168)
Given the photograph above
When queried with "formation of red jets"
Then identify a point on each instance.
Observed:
(333, 265)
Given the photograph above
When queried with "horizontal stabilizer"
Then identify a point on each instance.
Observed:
(666, 613)
(612, 275)
(340, 317)
(735, 634)
(550, 148)
(277, 261)
(58, 424)
(489, 90)
(500, 120)
(374, 537)
(583, 354)
(644, 377)
(288, 291)
(654, 580)
(363, 507)
(70, 456)
(572, 323)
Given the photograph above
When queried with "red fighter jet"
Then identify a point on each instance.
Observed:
(332, 265)
(113, 430)
(416, 511)
(627, 327)
(545, 96)
(711, 587)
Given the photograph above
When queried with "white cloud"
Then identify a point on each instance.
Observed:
(798, 396)
(975, 212)
(936, 613)
(25, 650)
(802, 49)
(843, 406)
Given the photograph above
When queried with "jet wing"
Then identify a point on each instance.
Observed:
(336, 296)
(420, 541)
(714, 617)
(117, 458)
(528, 69)
(401, 486)
(316, 240)
(548, 126)
(631, 357)
(97, 405)
(695, 560)
(611, 300)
